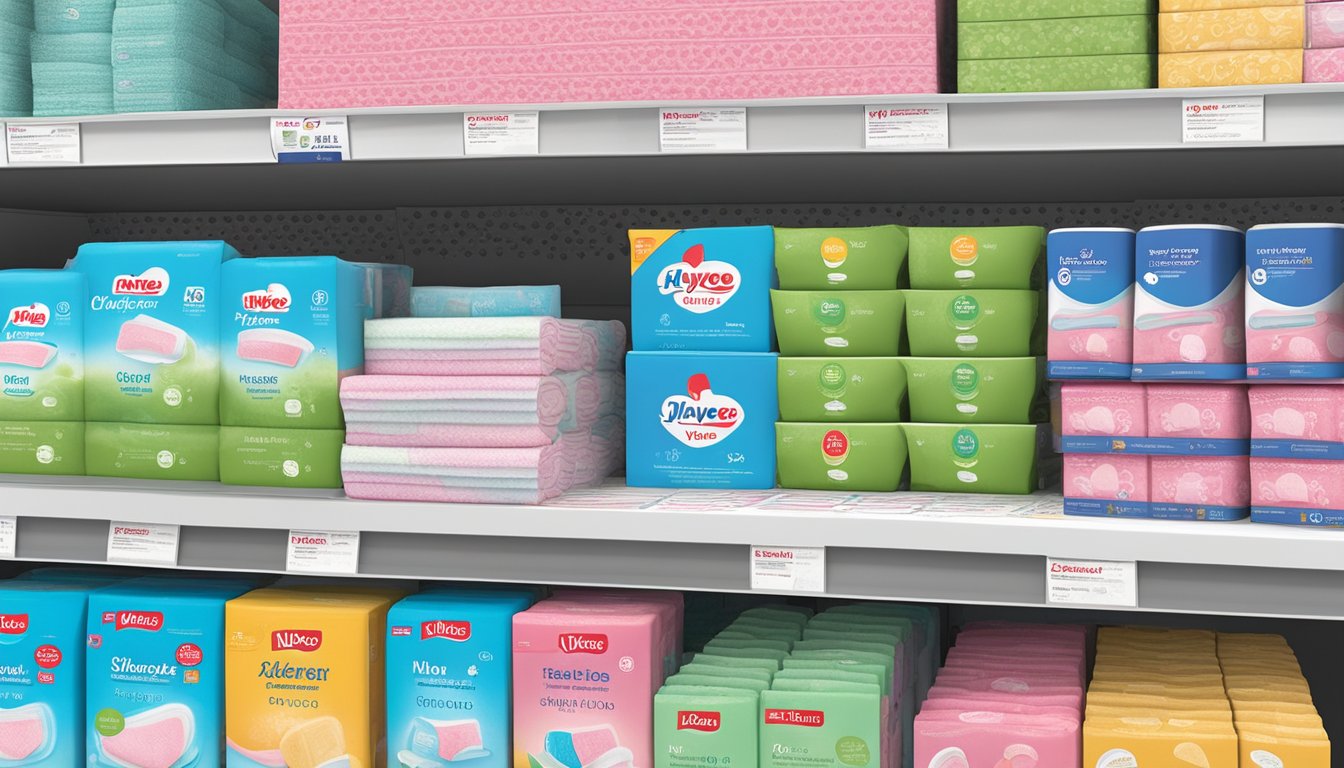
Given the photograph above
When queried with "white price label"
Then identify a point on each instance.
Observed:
(310, 139)
(908, 126)
(1091, 582)
(56, 143)
(501, 133)
(9, 535)
(788, 569)
(330, 552)
(722, 129)
(142, 543)
(1215, 121)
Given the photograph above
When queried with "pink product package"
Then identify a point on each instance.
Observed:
(1109, 477)
(1323, 65)
(1298, 483)
(971, 704)
(1200, 487)
(1198, 410)
(986, 738)
(1306, 412)
(1104, 409)
(584, 677)
(398, 53)
(1325, 25)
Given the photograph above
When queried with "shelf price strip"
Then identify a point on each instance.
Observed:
(142, 543)
(1091, 582)
(905, 126)
(310, 139)
(702, 129)
(44, 144)
(1218, 121)
(501, 133)
(788, 569)
(9, 534)
(323, 552)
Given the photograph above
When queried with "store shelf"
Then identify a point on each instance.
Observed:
(1117, 145)
(940, 552)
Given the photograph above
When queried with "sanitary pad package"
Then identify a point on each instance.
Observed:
(1295, 301)
(860, 457)
(151, 337)
(1297, 422)
(848, 389)
(42, 447)
(42, 345)
(702, 289)
(854, 258)
(493, 301)
(858, 323)
(948, 258)
(1090, 303)
(151, 451)
(280, 458)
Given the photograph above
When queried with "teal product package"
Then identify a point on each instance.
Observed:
(42, 345)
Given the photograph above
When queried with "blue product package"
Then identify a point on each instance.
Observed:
(155, 666)
(1091, 303)
(449, 677)
(700, 419)
(492, 301)
(151, 340)
(702, 289)
(1295, 301)
(42, 673)
(293, 328)
(42, 345)
(1190, 303)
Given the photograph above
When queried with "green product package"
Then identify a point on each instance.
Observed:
(926, 622)
(749, 644)
(858, 323)
(856, 457)
(152, 451)
(831, 653)
(998, 10)
(849, 258)
(766, 654)
(980, 323)
(795, 614)
(980, 458)
(759, 627)
(839, 665)
(983, 390)
(821, 724)
(722, 659)
(950, 258)
(698, 727)
(704, 681)
(1121, 72)
(42, 447)
(893, 636)
(281, 458)
(709, 670)
(1029, 38)
(841, 389)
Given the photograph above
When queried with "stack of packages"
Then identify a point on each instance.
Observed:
(1230, 42)
(1054, 45)
(1272, 709)
(350, 53)
(486, 409)
(700, 320)
(1323, 61)
(193, 54)
(586, 664)
(838, 318)
(16, 76)
(976, 334)
(72, 57)
(1010, 696)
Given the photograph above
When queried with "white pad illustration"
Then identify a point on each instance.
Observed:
(161, 737)
(274, 346)
(268, 758)
(450, 740)
(594, 747)
(27, 734)
(151, 340)
(27, 354)
(950, 758)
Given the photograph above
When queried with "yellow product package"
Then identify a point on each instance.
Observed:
(1212, 68)
(1238, 29)
(1144, 741)
(1212, 692)
(1282, 746)
(1177, 709)
(1274, 716)
(1145, 703)
(305, 677)
(1271, 694)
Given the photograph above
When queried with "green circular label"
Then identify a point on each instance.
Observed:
(965, 381)
(851, 750)
(965, 444)
(965, 310)
(832, 376)
(109, 722)
(830, 311)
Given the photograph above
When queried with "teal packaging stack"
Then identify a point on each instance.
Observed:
(173, 55)
(71, 56)
(16, 80)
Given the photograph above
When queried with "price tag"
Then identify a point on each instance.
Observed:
(1092, 582)
(310, 139)
(501, 133)
(142, 543)
(330, 552)
(48, 144)
(9, 535)
(788, 569)
(722, 129)
(1214, 121)
(909, 126)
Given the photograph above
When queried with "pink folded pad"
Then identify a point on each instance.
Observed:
(28, 354)
(407, 435)
(383, 491)
(514, 346)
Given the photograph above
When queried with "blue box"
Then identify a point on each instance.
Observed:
(42, 345)
(1091, 303)
(700, 419)
(702, 289)
(1295, 302)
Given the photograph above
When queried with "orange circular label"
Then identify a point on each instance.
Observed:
(964, 250)
(834, 251)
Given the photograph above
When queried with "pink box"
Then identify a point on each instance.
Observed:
(1104, 409)
(1325, 25)
(1323, 65)
(1198, 410)
(1117, 477)
(1297, 483)
(1297, 412)
(1200, 487)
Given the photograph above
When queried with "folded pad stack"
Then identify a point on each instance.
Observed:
(16, 79)
(171, 55)
(72, 57)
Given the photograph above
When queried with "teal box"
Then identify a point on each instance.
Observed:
(42, 345)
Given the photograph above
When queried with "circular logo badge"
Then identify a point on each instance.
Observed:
(109, 722)
(45, 454)
(189, 654)
(965, 311)
(834, 251)
(965, 444)
(965, 381)
(832, 377)
(830, 312)
(166, 459)
(965, 250)
(290, 468)
(47, 656)
(835, 447)
(172, 397)
(1064, 276)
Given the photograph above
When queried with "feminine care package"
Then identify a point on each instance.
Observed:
(1090, 303)
(1295, 301)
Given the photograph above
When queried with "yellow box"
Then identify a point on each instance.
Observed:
(1145, 741)
(1166, 6)
(1208, 712)
(1304, 747)
(1239, 29)
(304, 671)
(1212, 68)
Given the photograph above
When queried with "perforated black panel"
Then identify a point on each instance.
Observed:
(353, 235)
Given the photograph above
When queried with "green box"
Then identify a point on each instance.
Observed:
(42, 447)
(152, 451)
(998, 10)
(709, 726)
(852, 323)
(841, 389)
(847, 258)
(973, 323)
(851, 457)
(986, 390)
(1093, 36)
(981, 458)
(280, 458)
(948, 258)
(831, 724)
(1058, 73)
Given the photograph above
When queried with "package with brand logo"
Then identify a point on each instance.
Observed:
(42, 447)
(821, 724)
(851, 258)
(983, 458)
(293, 328)
(972, 323)
(305, 676)
(1295, 301)
(985, 390)
(151, 341)
(280, 458)
(42, 345)
(860, 323)
(858, 457)
(1091, 303)
(151, 451)
(449, 677)
(156, 672)
(700, 420)
(42, 672)
(949, 258)
(925, 628)
(841, 389)
(705, 289)
(705, 725)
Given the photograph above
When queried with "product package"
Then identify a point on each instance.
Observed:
(842, 389)
(850, 258)
(42, 345)
(855, 323)
(280, 458)
(1295, 301)
(860, 457)
(1091, 303)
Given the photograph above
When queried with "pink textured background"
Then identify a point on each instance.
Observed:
(1323, 65)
